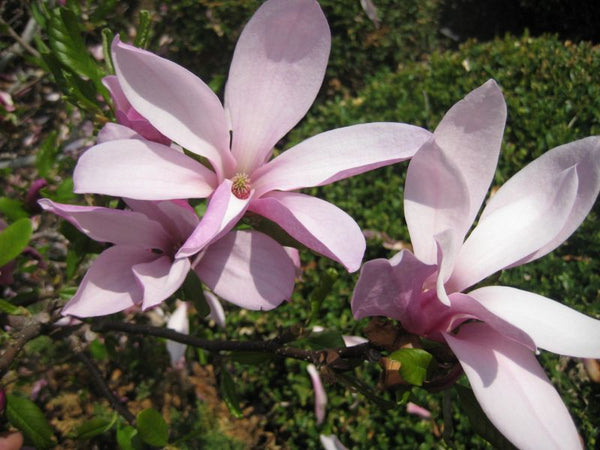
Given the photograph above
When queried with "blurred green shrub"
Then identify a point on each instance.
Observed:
(202, 33)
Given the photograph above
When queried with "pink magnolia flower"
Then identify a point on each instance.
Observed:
(533, 213)
(246, 268)
(128, 116)
(275, 75)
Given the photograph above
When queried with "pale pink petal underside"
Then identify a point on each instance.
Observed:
(114, 131)
(142, 170)
(436, 199)
(222, 214)
(340, 153)
(217, 313)
(112, 225)
(584, 156)
(248, 269)
(275, 75)
(514, 231)
(513, 390)
(552, 325)
(470, 135)
(178, 322)
(160, 278)
(178, 103)
(320, 394)
(315, 223)
(109, 285)
(390, 288)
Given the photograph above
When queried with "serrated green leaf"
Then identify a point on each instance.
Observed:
(64, 192)
(14, 239)
(12, 209)
(38, 14)
(479, 421)
(229, 394)
(152, 427)
(81, 92)
(46, 155)
(144, 28)
(28, 418)
(14, 310)
(128, 438)
(325, 339)
(413, 364)
(102, 10)
(64, 36)
(94, 427)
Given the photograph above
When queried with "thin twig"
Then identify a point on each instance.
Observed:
(22, 42)
(30, 330)
(274, 346)
(101, 385)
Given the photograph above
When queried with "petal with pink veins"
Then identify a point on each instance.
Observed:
(112, 225)
(514, 231)
(552, 325)
(315, 223)
(275, 75)
(160, 278)
(176, 102)
(390, 288)
(470, 135)
(513, 389)
(584, 156)
(340, 153)
(222, 213)
(109, 286)
(436, 198)
(142, 170)
(248, 269)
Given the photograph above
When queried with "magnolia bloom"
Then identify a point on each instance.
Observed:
(127, 116)
(533, 213)
(246, 268)
(275, 75)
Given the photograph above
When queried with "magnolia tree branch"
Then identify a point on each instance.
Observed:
(337, 358)
(101, 385)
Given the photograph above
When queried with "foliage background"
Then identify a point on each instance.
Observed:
(409, 68)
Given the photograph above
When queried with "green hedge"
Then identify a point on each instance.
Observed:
(552, 98)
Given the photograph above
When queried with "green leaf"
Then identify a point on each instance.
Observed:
(64, 192)
(38, 14)
(479, 421)
(12, 209)
(27, 417)
(229, 394)
(14, 310)
(46, 155)
(152, 427)
(14, 239)
(67, 293)
(192, 291)
(320, 292)
(325, 339)
(94, 427)
(98, 350)
(64, 36)
(102, 10)
(128, 438)
(413, 364)
(144, 28)
(107, 38)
